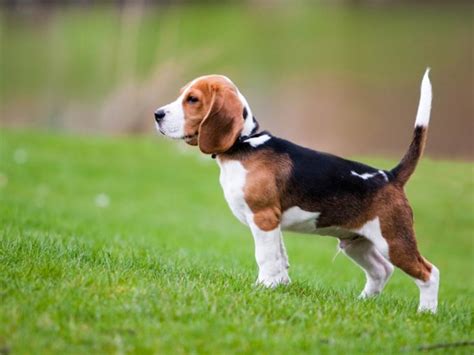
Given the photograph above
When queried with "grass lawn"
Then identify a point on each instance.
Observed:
(126, 245)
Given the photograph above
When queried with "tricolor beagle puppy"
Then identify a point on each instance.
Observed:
(272, 184)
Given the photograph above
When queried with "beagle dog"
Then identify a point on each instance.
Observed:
(272, 185)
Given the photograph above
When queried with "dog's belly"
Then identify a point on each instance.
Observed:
(333, 231)
(298, 220)
(336, 232)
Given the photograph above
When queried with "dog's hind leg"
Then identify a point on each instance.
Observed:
(377, 269)
(404, 254)
(394, 237)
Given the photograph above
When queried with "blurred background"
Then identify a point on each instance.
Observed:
(341, 76)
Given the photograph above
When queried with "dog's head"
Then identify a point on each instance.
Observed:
(210, 112)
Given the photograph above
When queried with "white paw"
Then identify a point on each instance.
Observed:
(273, 281)
(428, 307)
(369, 293)
(429, 292)
(365, 295)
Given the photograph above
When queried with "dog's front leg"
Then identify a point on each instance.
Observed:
(271, 257)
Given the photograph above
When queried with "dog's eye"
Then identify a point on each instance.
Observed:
(192, 99)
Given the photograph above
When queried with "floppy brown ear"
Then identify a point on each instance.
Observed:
(224, 122)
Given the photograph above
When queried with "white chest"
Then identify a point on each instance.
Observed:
(232, 179)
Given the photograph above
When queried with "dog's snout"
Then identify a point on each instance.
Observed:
(159, 115)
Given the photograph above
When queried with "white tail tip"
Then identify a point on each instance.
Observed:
(424, 107)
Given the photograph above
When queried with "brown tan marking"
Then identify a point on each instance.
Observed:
(391, 206)
(265, 182)
(396, 222)
(214, 121)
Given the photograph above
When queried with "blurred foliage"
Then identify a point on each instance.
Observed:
(87, 51)
(336, 67)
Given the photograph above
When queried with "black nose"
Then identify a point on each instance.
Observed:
(159, 115)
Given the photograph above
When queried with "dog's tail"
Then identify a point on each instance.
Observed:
(407, 165)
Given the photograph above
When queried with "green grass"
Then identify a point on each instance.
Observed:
(166, 268)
